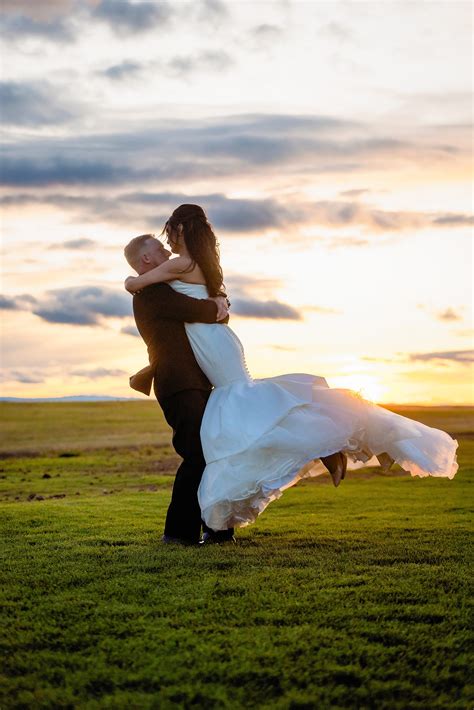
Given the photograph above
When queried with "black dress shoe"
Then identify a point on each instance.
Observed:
(169, 540)
(336, 464)
(216, 539)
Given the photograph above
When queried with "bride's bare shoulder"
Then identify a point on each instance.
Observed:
(180, 263)
(187, 270)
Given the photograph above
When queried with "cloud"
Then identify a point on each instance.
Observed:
(97, 373)
(340, 213)
(211, 149)
(32, 104)
(83, 305)
(124, 70)
(266, 31)
(75, 244)
(28, 377)
(208, 61)
(17, 303)
(62, 170)
(126, 17)
(89, 305)
(19, 25)
(235, 215)
(8, 304)
(186, 149)
(251, 308)
(265, 36)
(455, 356)
(212, 14)
(448, 315)
(212, 9)
(79, 305)
(455, 220)
(130, 330)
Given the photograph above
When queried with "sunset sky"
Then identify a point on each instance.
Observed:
(329, 143)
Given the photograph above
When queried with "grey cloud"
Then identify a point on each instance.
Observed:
(240, 288)
(62, 170)
(342, 213)
(211, 10)
(265, 36)
(27, 378)
(130, 330)
(125, 17)
(32, 104)
(154, 208)
(267, 31)
(183, 66)
(83, 305)
(126, 69)
(75, 244)
(19, 25)
(454, 220)
(223, 147)
(22, 302)
(247, 215)
(251, 308)
(228, 146)
(97, 373)
(227, 214)
(457, 356)
(448, 315)
(8, 304)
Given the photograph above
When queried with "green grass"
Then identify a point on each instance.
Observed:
(347, 598)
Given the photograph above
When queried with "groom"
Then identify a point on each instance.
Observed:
(180, 386)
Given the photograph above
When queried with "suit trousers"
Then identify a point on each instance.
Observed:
(184, 412)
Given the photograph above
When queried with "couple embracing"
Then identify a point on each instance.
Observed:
(242, 440)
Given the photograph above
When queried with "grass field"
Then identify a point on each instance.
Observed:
(348, 598)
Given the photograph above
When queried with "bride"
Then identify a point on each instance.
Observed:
(259, 436)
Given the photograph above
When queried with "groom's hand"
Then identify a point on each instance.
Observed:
(222, 307)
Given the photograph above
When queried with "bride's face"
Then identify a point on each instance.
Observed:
(174, 238)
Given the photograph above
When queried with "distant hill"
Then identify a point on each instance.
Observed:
(77, 398)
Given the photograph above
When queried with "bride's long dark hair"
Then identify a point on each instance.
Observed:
(201, 243)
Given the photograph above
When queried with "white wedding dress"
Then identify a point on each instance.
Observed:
(258, 436)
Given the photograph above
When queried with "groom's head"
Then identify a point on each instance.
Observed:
(145, 252)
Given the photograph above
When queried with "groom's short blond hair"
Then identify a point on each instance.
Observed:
(135, 248)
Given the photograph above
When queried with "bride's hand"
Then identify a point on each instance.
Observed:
(129, 284)
(222, 307)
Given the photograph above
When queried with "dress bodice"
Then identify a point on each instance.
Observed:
(216, 347)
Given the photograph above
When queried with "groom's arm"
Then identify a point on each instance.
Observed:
(177, 306)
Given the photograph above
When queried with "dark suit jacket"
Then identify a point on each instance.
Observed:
(160, 314)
